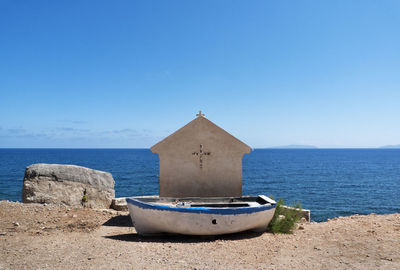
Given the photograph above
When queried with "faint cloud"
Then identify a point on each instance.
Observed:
(21, 133)
(79, 122)
(71, 129)
(66, 129)
(69, 136)
(126, 130)
(16, 130)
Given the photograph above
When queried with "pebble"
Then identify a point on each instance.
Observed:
(2, 233)
(16, 224)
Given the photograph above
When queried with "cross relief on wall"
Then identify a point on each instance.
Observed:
(200, 154)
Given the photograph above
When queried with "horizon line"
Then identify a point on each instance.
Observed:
(253, 148)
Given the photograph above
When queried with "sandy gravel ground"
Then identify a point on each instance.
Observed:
(48, 237)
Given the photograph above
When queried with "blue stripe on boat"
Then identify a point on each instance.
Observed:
(201, 210)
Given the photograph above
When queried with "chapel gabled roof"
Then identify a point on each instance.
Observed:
(200, 120)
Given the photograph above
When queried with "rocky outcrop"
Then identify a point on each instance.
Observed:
(67, 185)
(119, 204)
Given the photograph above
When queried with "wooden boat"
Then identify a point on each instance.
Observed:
(200, 216)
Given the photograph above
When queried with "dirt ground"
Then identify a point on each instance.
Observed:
(34, 236)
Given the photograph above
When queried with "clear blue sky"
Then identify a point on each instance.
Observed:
(128, 73)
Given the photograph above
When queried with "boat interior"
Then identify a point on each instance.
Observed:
(213, 202)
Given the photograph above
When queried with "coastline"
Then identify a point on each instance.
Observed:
(39, 236)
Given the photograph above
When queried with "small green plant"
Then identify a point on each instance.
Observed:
(285, 219)
(84, 198)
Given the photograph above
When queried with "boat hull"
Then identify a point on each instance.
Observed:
(150, 219)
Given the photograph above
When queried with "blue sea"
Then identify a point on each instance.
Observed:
(329, 182)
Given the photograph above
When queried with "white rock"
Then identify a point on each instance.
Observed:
(66, 185)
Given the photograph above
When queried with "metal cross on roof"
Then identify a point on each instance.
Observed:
(200, 114)
(201, 154)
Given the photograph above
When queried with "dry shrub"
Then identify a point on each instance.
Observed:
(285, 219)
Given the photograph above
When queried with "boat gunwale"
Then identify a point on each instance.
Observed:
(202, 210)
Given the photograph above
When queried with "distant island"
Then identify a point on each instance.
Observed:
(295, 146)
(397, 146)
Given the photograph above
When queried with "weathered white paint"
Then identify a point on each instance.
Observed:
(149, 221)
(200, 160)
